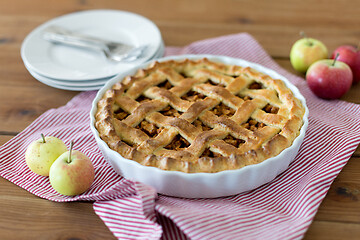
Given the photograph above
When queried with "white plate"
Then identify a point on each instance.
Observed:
(50, 83)
(202, 185)
(84, 82)
(80, 85)
(63, 62)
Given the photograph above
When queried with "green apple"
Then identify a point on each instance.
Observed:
(41, 154)
(305, 52)
(72, 173)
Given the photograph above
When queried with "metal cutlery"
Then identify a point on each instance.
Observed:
(114, 51)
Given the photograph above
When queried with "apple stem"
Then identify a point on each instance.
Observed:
(70, 150)
(336, 57)
(358, 47)
(43, 138)
(303, 35)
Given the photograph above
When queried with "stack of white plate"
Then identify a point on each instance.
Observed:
(77, 69)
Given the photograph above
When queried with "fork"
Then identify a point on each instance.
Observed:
(114, 51)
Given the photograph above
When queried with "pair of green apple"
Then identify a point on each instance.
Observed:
(307, 51)
(70, 172)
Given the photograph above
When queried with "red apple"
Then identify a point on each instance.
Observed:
(329, 79)
(351, 56)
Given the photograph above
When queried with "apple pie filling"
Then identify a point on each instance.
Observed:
(143, 99)
(255, 85)
(223, 110)
(271, 109)
(170, 112)
(253, 125)
(193, 96)
(229, 140)
(120, 114)
(149, 128)
(166, 84)
(178, 143)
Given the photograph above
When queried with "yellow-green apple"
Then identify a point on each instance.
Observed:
(41, 154)
(351, 56)
(329, 79)
(305, 52)
(72, 173)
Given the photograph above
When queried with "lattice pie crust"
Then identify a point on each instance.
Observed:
(199, 116)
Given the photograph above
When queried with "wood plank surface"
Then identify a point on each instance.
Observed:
(25, 216)
(275, 24)
(324, 230)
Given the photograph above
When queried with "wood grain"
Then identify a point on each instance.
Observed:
(324, 230)
(342, 202)
(25, 216)
(5, 138)
(275, 24)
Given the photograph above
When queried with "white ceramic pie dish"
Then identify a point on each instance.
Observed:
(202, 185)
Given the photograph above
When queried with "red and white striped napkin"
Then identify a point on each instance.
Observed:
(281, 209)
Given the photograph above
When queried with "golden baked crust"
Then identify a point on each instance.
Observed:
(198, 116)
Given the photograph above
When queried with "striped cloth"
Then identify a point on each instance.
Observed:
(281, 209)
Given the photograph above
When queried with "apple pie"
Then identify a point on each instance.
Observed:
(198, 116)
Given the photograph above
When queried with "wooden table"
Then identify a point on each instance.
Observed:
(275, 24)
